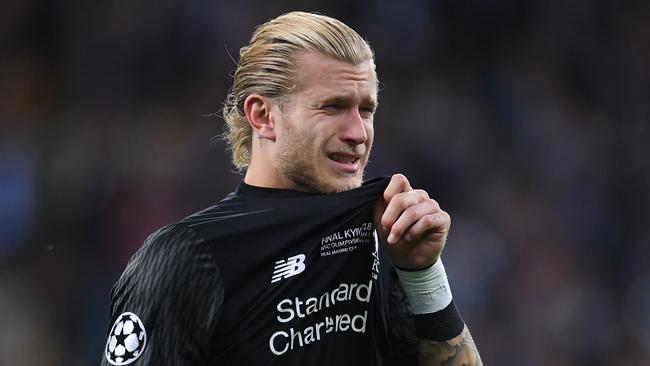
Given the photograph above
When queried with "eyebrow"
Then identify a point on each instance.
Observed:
(343, 99)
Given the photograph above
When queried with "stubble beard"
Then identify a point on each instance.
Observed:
(296, 165)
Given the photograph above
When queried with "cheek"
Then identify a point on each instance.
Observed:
(321, 138)
(370, 132)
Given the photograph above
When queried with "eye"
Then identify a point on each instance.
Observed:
(332, 108)
(366, 112)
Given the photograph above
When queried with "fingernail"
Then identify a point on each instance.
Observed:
(391, 238)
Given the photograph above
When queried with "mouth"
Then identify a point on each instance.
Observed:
(345, 162)
(344, 158)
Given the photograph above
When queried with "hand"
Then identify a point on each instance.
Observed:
(411, 224)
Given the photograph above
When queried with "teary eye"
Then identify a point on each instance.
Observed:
(366, 112)
(331, 106)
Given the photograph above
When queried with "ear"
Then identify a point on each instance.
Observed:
(258, 114)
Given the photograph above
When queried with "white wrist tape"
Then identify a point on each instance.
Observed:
(428, 289)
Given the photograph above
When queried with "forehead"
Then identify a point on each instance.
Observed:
(323, 76)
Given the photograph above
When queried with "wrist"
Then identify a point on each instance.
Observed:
(427, 289)
(429, 294)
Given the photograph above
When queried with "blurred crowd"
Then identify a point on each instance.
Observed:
(527, 120)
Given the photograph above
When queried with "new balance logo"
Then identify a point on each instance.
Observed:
(287, 268)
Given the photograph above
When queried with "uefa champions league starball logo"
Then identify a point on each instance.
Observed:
(126, 340)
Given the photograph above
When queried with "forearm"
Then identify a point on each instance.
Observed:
(457, 351)
(443, 336)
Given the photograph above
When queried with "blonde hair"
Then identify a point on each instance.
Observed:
(268, 66)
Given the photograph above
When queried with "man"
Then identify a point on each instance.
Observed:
(288, 269)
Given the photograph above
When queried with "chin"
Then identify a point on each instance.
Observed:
(322, 181)
(345, 184)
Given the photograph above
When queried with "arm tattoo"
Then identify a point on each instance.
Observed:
(458, 351)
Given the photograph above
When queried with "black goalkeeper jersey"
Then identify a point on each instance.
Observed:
(265, 277)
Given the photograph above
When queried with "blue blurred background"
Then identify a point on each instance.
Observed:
(527, 120)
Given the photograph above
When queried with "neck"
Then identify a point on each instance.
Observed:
(263, 173)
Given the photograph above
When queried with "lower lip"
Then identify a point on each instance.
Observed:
(345, 168)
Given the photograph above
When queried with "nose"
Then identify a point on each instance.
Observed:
(354, 128)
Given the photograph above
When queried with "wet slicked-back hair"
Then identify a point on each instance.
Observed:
(268, 66)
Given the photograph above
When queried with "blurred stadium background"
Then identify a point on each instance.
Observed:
(527, 120)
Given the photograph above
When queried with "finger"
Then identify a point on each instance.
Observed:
(399, 203)
(432, 224)
(411, 216)
(398, 184)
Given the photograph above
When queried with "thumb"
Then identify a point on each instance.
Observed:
(379, 209)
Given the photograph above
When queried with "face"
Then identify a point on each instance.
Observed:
(324, 130)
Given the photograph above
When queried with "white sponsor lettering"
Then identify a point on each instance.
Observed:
(291, 308)
(282, 342)
(285, 340)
